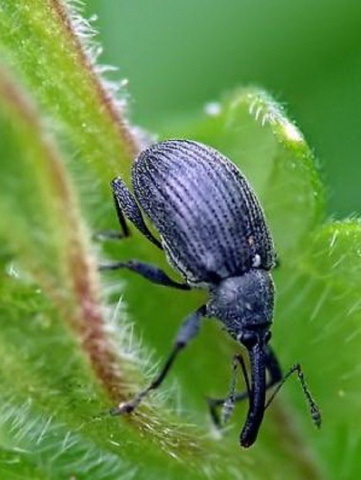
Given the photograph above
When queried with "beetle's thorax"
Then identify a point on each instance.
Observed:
(243, 303)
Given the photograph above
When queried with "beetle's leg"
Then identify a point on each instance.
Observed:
(126, 203)
(115, 234)
(109, 235)
(275, 376)
(188, 330)
(148, 271)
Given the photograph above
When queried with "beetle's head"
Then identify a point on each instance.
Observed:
(244, 305)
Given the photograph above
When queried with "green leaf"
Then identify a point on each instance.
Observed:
(67, 351)
(50, 47)
(56, 341)
(321, 304)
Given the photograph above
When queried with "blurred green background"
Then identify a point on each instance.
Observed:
(178, 55)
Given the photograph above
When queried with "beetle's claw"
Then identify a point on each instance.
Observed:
(123, 408)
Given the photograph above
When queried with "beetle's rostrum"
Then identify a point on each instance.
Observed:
(213, 232)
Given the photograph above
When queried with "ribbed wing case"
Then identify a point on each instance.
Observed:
(208, 217)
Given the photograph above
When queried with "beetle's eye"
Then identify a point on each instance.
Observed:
(267, 337)
(248, 339)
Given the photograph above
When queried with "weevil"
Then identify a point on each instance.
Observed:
(213, 232)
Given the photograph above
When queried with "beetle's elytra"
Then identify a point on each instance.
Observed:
(213, 232)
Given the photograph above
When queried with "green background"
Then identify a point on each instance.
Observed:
(178, 55)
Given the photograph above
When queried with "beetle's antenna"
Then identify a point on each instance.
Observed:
(314, 409)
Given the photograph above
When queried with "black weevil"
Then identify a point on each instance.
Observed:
(213, 232)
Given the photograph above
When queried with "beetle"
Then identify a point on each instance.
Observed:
(213, 232)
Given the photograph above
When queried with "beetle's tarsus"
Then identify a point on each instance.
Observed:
(109, 235)
(125, 408)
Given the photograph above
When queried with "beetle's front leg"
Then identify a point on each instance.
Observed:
(188, 330)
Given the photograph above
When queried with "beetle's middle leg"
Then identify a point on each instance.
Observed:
(188, 330)
(148, 271)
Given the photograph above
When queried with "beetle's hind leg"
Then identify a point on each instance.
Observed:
(126, 206)
(188, 330)
(115, 234)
